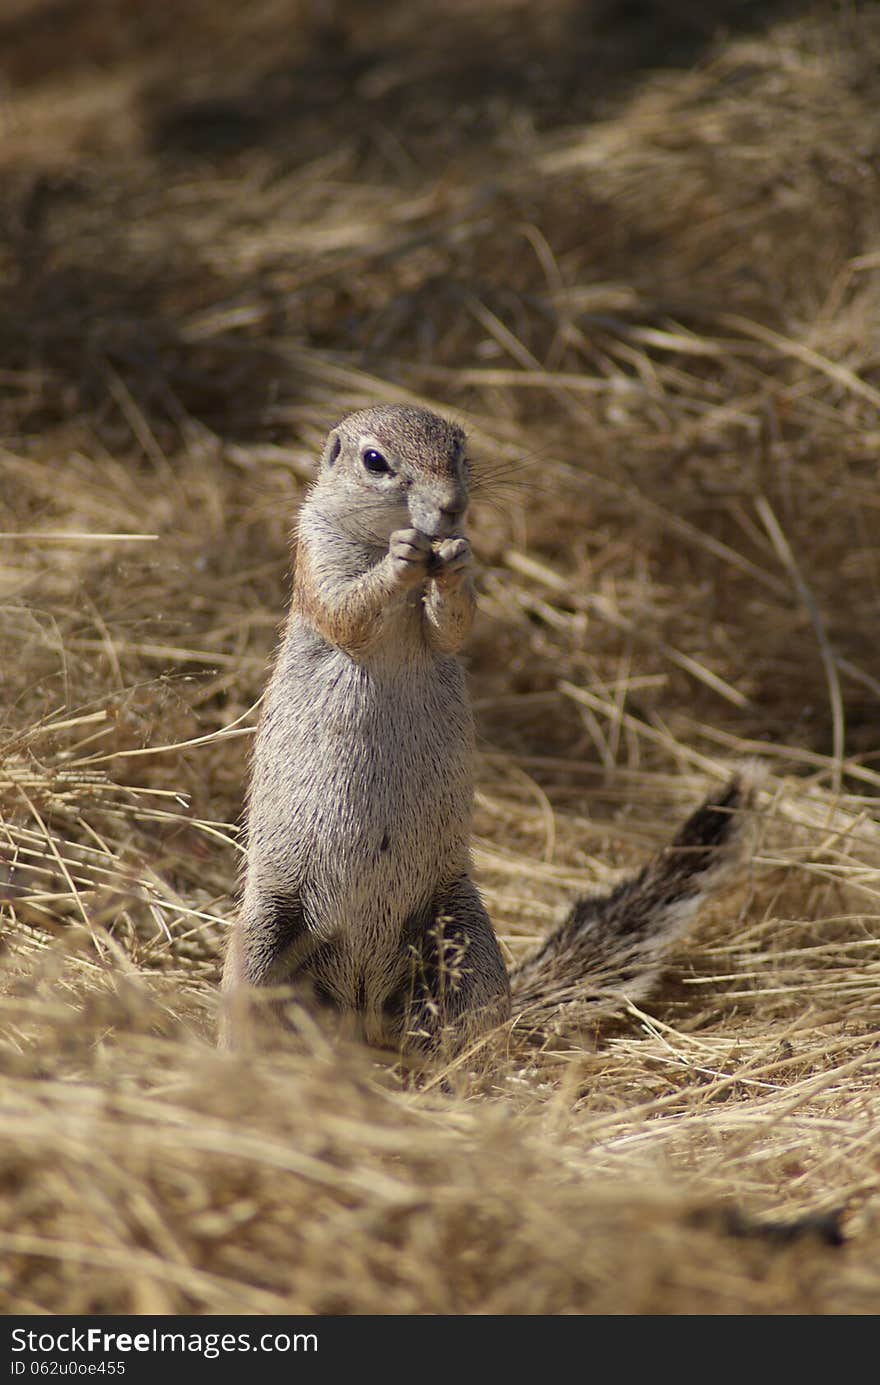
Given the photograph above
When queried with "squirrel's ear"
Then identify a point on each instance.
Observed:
(331, 450)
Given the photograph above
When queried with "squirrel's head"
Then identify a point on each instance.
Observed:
(395, 467)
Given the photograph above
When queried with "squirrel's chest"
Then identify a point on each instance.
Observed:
(360, 730)
(398, 716)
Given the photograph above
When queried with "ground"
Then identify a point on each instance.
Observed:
(639, 260)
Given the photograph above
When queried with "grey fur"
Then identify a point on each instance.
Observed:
(357, 890)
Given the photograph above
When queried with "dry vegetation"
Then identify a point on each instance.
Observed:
(641, 260)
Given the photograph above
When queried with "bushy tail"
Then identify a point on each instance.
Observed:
(610, 949)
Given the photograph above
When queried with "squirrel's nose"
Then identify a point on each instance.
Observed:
(437, 521)
(450, 518)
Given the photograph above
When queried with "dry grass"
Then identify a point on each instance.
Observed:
(644, 268)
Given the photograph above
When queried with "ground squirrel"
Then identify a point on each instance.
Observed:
(358, 890)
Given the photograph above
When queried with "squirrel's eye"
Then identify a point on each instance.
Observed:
(374, 462)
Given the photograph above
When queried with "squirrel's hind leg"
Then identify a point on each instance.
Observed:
(269, 945)
(454, 983)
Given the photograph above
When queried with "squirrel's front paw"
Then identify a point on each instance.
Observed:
(451, 560)
(410, 552)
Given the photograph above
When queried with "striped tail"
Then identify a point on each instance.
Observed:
(612, 948)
